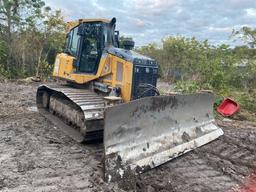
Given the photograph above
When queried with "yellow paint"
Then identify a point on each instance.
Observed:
(107, 73)
(126, 83)
(72, 24)
(63, 66)
(94, 20)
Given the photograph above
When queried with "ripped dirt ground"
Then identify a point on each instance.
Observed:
(36, 156)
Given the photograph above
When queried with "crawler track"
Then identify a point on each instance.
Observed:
(81, 109)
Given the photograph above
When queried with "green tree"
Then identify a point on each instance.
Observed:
(247, 55)
(196, 62)
(247, 35)
(29, 32)
(13, 13)
(46, 35)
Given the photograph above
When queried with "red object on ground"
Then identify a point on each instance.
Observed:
(228, 107)
(249, 185)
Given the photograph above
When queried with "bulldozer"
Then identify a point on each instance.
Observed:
(110, 93)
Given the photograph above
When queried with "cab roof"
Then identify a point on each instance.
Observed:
(93, 20)
(72, 24)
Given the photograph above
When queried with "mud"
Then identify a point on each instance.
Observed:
(36, 156)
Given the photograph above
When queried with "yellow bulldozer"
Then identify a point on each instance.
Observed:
(110, 93)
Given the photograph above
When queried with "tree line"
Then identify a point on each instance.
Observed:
(30, 36)
(212, 66)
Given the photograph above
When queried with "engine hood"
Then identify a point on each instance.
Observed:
(130, 56)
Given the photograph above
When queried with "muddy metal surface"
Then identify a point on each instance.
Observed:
(36, 156)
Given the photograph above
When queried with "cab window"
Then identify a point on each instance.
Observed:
(75, 42)
(72, 42)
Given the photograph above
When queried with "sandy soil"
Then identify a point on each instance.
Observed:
(36, 156)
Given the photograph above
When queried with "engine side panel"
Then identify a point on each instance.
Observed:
(120, 75)
(63, 66)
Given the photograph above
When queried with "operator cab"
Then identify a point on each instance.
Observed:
(87, 41)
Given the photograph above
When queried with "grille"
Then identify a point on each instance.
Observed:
(144, 77)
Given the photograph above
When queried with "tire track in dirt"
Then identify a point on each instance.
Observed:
(38, 157)
(32, 162)
(190, 173)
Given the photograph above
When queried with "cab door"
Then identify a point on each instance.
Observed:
(91, 47)
(65, 62)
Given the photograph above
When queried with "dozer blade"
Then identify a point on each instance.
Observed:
(148, 132)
